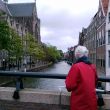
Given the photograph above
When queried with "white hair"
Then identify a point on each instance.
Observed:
(81, 51)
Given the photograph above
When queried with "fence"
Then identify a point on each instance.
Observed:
(20, 75)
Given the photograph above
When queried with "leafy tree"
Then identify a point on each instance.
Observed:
(33, 48)
(4, 35)
(16, 47)
(52, 54)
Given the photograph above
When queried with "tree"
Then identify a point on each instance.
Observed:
(4, 35)
(16, 47)
(33, 49)
(52, 54)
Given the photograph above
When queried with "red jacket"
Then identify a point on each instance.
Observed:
(81, 81)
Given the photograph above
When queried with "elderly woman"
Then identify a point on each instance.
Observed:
(81, 82)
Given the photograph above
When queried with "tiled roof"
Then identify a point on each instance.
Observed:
(21, 9)
(105, 5)
(2, 6)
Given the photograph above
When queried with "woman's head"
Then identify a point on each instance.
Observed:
(81, 51)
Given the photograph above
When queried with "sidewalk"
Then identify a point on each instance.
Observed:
(27, 67)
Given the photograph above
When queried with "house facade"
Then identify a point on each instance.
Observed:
(95, 37)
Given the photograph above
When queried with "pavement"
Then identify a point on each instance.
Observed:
(24, 67)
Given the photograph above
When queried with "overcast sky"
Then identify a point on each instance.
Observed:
(62, 20)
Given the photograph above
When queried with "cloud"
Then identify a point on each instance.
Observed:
(62, 20)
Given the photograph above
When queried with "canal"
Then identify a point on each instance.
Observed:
(48, 84)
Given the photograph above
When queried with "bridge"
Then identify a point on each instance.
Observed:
(20, 98)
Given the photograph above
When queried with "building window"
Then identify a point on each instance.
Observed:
(103, 63)
(109, 58)
(99, 42)
(109, 17)
(104, 40)
(108, 36)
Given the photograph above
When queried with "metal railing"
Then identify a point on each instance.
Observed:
(20, 75)
(44, 75)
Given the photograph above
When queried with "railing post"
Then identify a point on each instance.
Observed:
(19, 86)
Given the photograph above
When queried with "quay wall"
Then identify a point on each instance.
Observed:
(37, 68)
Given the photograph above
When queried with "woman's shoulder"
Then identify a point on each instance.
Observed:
(77, 65)
(93, 66)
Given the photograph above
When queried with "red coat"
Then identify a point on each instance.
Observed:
(81, 81)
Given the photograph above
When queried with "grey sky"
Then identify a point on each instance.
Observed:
(62, 20)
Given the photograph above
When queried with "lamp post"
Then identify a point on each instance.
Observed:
(25, 54)
(3, 56)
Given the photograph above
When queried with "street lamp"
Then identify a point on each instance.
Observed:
(3, 56)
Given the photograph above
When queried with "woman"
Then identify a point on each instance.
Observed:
(81, 82)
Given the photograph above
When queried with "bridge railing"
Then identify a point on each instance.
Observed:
(20, 75)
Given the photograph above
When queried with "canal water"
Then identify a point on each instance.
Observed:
(49, 84)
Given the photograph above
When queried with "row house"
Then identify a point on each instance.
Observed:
(101, 35)
(97, 38)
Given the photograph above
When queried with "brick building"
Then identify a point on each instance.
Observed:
(95, 37)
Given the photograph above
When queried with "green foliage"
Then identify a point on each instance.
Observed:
(16, 47)
(52, 54)
(4, 35)
(2, 13)
(33, 48)
(10, 40)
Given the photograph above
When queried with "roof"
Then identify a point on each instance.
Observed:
(105, 5)
(21, 9)
(2, 6)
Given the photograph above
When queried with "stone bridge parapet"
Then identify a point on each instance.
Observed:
(34, 99)
(38, 99)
